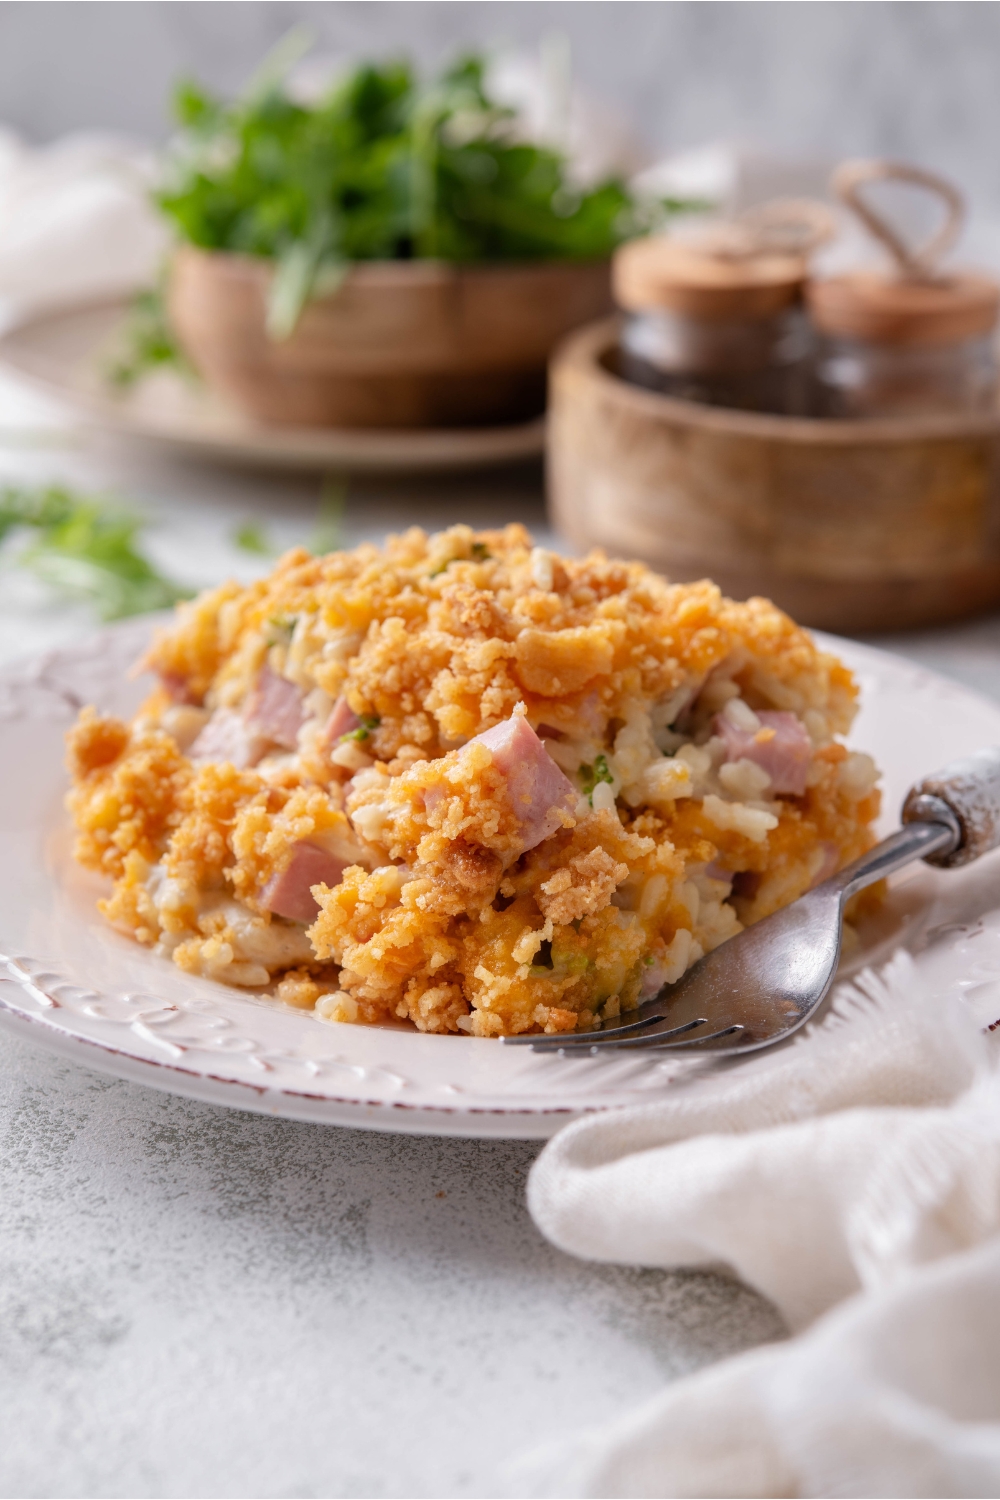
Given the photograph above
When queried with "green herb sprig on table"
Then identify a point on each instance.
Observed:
(146, 342)
(84, 548)
(329, 529)
(380, 168)
(327, 535)
(251, 537)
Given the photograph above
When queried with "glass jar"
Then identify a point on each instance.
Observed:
(723, 329)
(897, 348)
(753, 365)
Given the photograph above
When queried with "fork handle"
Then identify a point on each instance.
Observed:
(970, 792)
(919, 839)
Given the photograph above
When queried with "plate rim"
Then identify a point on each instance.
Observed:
(295, 1104)
(366, 450)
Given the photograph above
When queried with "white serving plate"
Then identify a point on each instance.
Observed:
(66, 351)
(69, 982)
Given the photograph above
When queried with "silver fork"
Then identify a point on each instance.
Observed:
(763, 984)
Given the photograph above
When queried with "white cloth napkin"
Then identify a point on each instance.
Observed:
(75, 221)
(852, 1178)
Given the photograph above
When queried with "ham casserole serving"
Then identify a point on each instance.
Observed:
(469, 783)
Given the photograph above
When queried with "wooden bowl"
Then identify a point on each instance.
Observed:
(852, 526)
(399, 344)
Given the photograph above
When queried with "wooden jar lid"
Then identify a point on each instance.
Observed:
(664, 274)
(905, 312)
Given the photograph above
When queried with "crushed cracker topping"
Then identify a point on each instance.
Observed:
(466, 892)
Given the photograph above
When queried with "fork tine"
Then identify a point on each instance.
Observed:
(596, 1046)
(650, 1043)
(575, 1039)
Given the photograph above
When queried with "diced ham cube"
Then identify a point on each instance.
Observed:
(272, 715)
(274, 709)
(538, 789)
(290, 893)
(781, 747)
(343, 720)
(227, 737)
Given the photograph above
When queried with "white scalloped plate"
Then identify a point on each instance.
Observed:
(70, 982)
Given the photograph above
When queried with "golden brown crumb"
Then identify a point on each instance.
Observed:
(583, 885)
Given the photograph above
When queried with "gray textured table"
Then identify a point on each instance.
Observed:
(195, 1301)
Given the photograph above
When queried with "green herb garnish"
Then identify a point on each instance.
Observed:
(85, 548)
(251, 537)
(382, 167)
(572, 963)
(551, 959)
(369, 722)
(478, 552)
(279, 629)
(147, 342)
(591, 776)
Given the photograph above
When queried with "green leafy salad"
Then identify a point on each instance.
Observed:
(382, 167)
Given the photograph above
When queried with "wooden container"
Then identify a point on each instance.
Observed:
(399, 344)
(852, 526)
